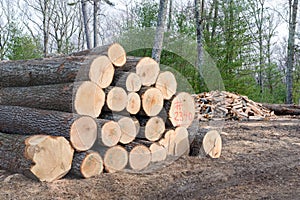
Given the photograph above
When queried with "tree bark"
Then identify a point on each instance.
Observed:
(85, 23)
(70, 97)
(97, 69)
(159, 35)
(80, 130)
(28, 155)
(283, 109)
(291, 49)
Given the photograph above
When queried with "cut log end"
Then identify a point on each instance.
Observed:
(148, 70)
(83, 133)
(154, 129)
(133, 82)
(134, 103)
(182, 111)
(152, 101)
(212, 144)
(115, 159)
(110, 133)
(167, 84)
(92, 165)
(52, 156)
(139, 157)
(117, 55)
(89, 99)
(128, 128)
(158, 152)
(117, 99)
(102, 71)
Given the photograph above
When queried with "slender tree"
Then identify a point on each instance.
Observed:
(199, 7)
(293, 6)
(85, 23)
(159, 35)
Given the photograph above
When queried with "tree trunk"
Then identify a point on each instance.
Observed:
(283, 109)
(114, 158)
(207, 144)
(167, 84)
(87, 164)
(116, 99)
(95, 22)
(170, 15)
(85, 23)
(179, 110)
(133, 103)
(159, 35)
(109, 134)
(139, 156)
(291, 50)
(28, 155)
(176, 141)
(129, 81)
(80, 130)
(84, 98)
(199, 6)
(152, 101)
(97, 69)
(115, 52)
(152, 130)
(148, 70)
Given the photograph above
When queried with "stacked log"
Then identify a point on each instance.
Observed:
(230, 106)
(115, 112)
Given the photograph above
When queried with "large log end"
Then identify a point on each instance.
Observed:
(52, 156)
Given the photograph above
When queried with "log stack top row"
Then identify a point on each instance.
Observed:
(116, 111)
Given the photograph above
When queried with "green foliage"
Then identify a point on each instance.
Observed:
(22, 47)
(146, 13)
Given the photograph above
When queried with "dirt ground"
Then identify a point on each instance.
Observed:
(260, 160)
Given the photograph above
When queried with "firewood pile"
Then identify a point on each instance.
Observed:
(91, 111)
(230, 106)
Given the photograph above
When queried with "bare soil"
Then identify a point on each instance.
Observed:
(260, 160)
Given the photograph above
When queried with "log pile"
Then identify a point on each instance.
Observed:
(230, 106)
(88, 112)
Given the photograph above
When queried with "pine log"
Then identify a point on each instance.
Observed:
(115, 53)
(148, 70)
(114, 158)
(180, 110)
(84, 98)
(152, 101)
(129, 81)
(167, 84)
(87, 164)
(176, 141)
(283, 109)
(97, 69)
(130, 65)
(133, 103)
(109, 132)
(208, 144)
(46, 158)
(80, 130)
(116, 99)
(153, 129)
